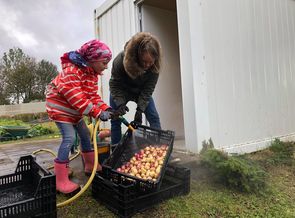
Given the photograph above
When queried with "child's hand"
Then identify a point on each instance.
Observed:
(105, 115)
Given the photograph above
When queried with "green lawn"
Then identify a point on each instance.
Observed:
(209, 199)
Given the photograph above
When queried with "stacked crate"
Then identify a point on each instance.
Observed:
(126, 194)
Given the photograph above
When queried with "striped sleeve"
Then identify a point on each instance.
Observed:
(96, 99)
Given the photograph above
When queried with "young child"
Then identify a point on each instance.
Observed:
(70, 96)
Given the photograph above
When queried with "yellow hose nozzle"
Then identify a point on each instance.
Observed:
(126, 123)
(131, 128)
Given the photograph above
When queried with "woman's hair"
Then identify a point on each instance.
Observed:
(145, 42)
(151, 45)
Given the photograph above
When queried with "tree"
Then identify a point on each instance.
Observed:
(3, 96)
(23, 78)
(18, 75)
(45, 72)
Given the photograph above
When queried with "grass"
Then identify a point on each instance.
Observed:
(209, 199)
(85, 206)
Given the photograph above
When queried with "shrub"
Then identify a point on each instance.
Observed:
(206, 145)
(283, 152)
(235, 171)
(39, 130)
(2, 132)
(11, 122)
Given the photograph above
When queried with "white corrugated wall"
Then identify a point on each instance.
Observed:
(249, 55)
(237, 63)
(115, 26)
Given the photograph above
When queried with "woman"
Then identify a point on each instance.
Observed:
(135, 73)
(70, 96)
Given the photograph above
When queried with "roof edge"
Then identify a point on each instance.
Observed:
(104, 8)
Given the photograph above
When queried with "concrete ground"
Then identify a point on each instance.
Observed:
(10, 154)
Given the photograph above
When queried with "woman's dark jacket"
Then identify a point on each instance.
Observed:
(133, 84)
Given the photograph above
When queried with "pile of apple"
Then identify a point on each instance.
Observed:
(147, 163)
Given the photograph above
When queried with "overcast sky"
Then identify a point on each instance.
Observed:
(45, 29)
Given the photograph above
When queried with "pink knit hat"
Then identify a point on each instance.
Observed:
(95, 50)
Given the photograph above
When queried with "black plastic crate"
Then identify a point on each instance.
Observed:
(132, 143)
(125, 200)
(29, 192)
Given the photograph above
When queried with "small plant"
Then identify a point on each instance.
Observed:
(236, 171)
(39, 130)
(283, 152)
(207, 145)
(2, 132)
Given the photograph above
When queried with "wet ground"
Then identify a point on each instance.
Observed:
(10, 154)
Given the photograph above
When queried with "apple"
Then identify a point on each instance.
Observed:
(146, 163)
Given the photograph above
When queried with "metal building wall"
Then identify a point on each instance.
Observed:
(115, 23)
(249, 55)
(237, 65)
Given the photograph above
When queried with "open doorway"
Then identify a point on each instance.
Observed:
(160, 18)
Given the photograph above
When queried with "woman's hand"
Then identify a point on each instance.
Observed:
(122, 110)
(138, 116)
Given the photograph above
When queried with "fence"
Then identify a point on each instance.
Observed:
(9, 110)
